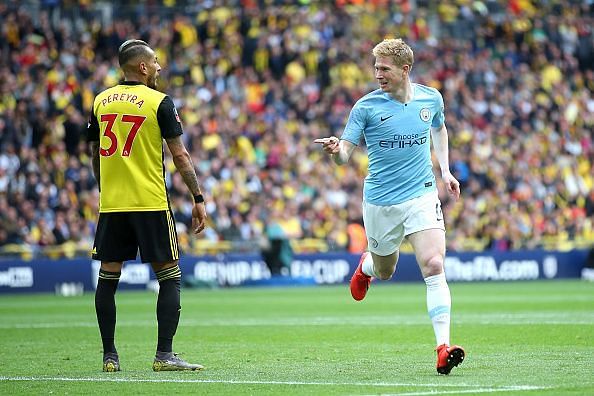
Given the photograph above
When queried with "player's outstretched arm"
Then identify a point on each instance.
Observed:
(184, 165)
(440, 145)
(340, 150)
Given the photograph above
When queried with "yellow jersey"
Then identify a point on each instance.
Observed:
(130, 122)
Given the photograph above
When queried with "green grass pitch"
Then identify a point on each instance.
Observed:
(522, 338)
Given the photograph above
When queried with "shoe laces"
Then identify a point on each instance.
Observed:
(176, 357)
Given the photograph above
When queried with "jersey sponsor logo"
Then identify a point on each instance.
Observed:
(176, 115)
(425, 114)
(382, 119)
(403, 141)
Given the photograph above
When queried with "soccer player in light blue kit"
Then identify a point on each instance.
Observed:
(400, 199)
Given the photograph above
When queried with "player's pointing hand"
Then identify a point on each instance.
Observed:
(329, 144)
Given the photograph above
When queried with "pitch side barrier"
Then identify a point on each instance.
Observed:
(75, 276)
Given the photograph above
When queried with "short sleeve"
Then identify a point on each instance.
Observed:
(353, 131)
(439, 117)
(168, 119)
(93, 128)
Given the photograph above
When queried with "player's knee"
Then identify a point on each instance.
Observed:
(433, 266)
(168, 273)
(111, 266)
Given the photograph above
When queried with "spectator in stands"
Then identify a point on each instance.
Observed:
(257, 84)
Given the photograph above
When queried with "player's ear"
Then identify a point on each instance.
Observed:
(142, 69)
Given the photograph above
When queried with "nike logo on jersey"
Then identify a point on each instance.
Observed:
(385, 118)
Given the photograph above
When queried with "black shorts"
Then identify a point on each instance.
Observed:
(120, 235)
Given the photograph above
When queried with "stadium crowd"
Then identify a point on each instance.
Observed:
(257, 81)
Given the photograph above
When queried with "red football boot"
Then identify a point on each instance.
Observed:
(448, 357)
(360, 282)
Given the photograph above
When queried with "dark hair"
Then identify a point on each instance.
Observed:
(130, 49)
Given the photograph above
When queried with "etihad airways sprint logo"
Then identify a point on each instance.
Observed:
(403, 141)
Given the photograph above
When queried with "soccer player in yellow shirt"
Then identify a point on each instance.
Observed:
(126, 131)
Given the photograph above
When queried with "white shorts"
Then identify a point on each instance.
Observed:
(386, 226)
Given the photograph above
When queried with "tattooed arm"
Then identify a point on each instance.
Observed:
(184, 165)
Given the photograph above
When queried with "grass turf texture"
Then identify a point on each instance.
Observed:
(520, 338)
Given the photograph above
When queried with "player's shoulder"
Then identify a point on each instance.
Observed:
(104, 94)
(373, 95)
(106, 91)
(371, 98)
(426, 90)
(151, 91)
(136, 87)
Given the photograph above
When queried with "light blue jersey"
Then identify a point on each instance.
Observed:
(398, 143)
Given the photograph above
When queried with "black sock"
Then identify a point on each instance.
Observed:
(106, 308)
(168, 306)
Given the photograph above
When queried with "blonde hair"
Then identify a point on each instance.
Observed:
(397, 49)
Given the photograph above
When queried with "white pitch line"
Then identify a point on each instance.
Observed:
(507, 320)
(250, 382)
(478, 390)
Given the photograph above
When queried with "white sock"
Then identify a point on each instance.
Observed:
(439, 304)
(367, 266)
